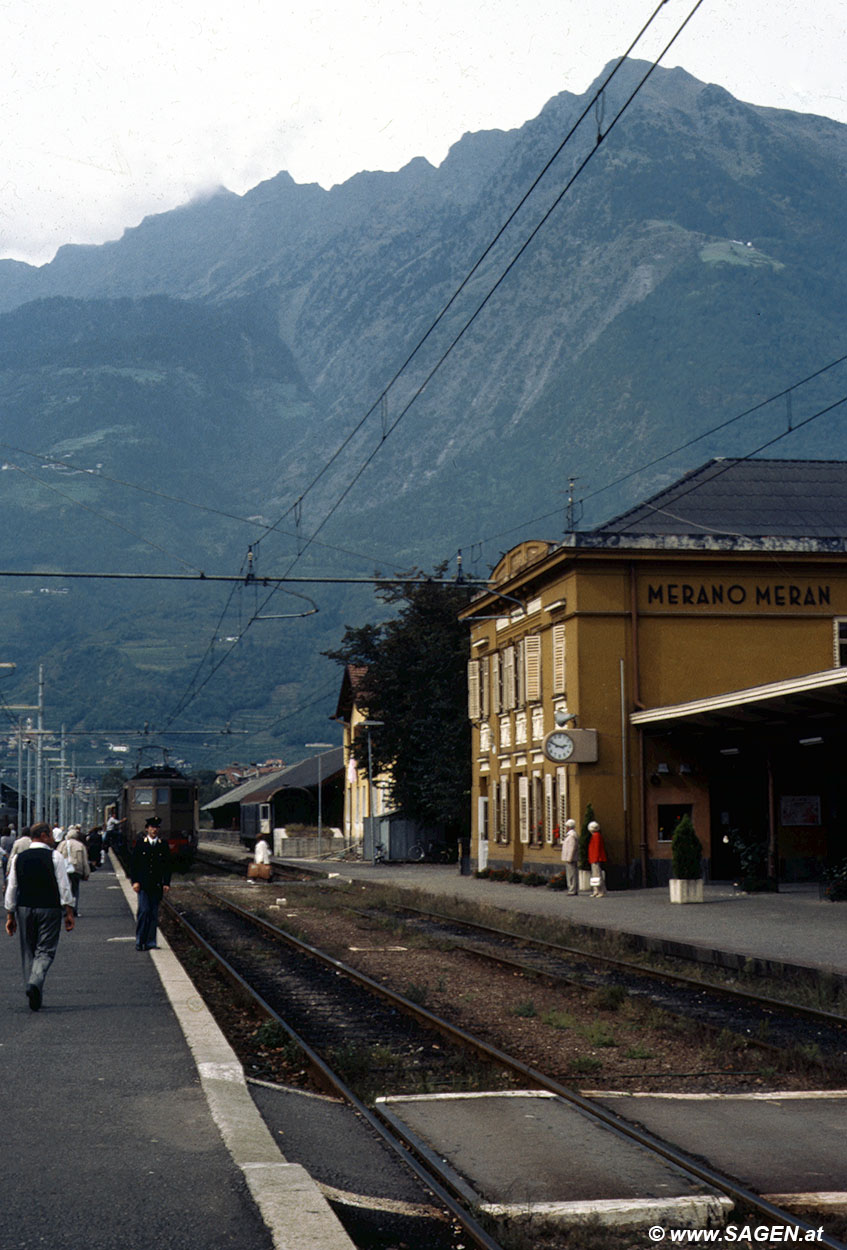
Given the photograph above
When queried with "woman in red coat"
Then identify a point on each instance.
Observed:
(596, 859)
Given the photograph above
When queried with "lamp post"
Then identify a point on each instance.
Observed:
(369, 725)
(323, 746)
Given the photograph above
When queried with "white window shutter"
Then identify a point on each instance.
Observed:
(473, 689)
(504, 810)
(559, 659)
(562, 794)
(508, 679)
(532, 660)
(495, 684)
(549, 808)
(523, 808)
(484, 688)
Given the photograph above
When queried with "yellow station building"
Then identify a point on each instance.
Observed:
(698, 644)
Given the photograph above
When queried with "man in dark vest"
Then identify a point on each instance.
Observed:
(37, 889)
(150, 873)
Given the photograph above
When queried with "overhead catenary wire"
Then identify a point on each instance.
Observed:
(380, 403)
(185, 700)
(254, 522)
(666, 455)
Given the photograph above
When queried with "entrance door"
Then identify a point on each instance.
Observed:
(739, 804)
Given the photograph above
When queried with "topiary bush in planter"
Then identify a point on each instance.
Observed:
(686, 851)
(686, 883)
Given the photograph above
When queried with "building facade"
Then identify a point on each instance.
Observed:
(703, 672)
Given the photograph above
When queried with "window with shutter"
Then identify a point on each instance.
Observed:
(505, 733)
(520, 729)
(537, 724)
(482, 818)
(532, 664)
(549, 808)
(559, 659)
(508, 682)
(504, 810)
(523, 808)
(562, 798)
(484, 688)
(473, 690)
(839, 642)
(537, 812)
(520, 673)
(496, 703)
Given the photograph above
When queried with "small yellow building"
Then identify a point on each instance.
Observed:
(696, 652)
(364, 796)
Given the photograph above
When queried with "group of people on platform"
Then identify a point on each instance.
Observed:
(43, 879)
(596, 859)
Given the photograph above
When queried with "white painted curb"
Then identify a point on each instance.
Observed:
(290, 1202)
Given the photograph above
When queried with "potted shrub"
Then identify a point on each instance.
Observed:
(582, 861)
(686, 883)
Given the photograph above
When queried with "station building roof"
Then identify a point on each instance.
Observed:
(735, 498)
(300, 776)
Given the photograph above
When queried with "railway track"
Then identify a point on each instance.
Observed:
(331, 1010)
(775, 1025)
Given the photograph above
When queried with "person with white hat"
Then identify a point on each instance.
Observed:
(570, 854)
(596, 860)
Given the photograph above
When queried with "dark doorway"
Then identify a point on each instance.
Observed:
(739, 805)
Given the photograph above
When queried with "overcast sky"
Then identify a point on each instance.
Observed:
(114, 111)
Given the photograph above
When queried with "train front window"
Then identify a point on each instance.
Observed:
(143, 796)
(181, 796)
(162, 796)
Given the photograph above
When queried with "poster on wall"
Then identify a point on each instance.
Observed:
(800, 809)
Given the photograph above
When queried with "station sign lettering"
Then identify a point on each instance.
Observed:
(721, 594)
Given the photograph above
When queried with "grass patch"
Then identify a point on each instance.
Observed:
(585, 1065)
(599, 1034)
(559, 1020)
(527, 1010)
(610, 998)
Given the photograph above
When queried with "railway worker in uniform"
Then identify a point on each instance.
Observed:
(596, 860)
(36, 892)
(150, 873)
(570, 855)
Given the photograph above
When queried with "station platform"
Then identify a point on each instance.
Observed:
(794, 932)
(127, 1119)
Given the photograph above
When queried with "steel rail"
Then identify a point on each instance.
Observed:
(327, 1078)
(618, 1124)
(815, 1014)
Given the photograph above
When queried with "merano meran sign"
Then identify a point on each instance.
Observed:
(734, 594)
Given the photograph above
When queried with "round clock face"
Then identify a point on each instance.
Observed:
(558, 745)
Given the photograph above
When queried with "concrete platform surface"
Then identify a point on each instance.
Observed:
(529, 1152)
(777, 1144)
(126, 1115)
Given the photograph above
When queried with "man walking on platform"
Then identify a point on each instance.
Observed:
(37, 889)
(150, 873)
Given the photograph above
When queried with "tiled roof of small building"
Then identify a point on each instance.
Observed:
(745, 498)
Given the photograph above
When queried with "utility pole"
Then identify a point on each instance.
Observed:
(573, 514)
(39, 749)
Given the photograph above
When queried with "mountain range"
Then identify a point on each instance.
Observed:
(172, 397)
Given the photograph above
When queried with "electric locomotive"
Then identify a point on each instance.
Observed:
(167, 793)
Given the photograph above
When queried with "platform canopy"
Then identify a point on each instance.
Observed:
(816, 697)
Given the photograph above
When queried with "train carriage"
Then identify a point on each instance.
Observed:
(167, 793)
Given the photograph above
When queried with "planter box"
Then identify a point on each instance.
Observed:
(683, 890)
(584, 880)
